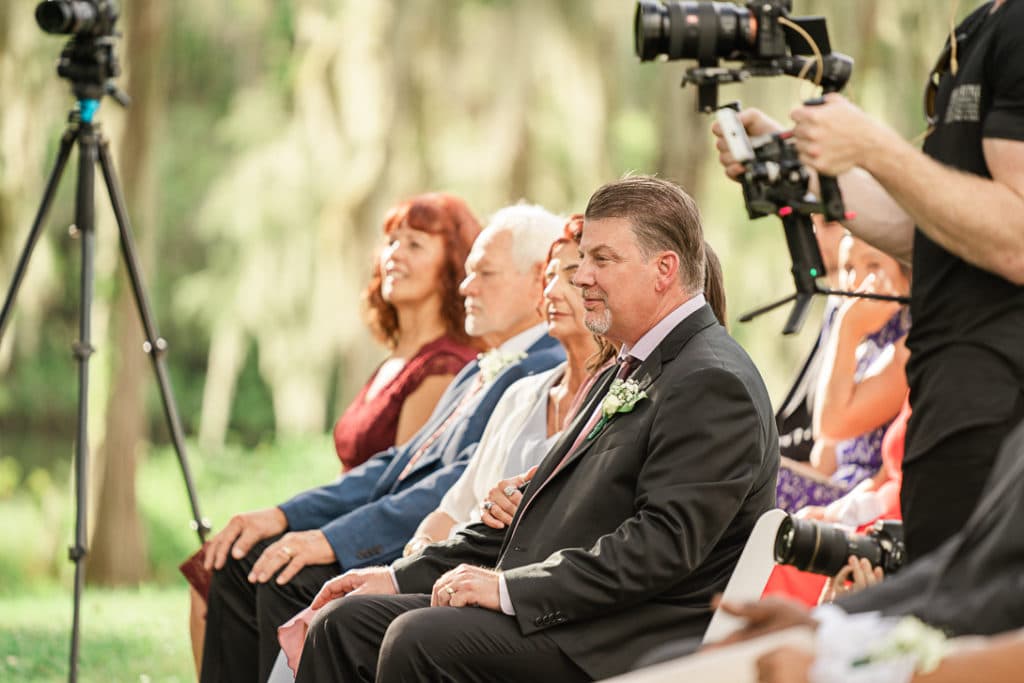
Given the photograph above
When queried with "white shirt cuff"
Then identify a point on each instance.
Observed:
(506, 602)
(394, 579)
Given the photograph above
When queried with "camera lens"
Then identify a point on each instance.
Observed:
(66, 16)
(813, 547)
(692, 30)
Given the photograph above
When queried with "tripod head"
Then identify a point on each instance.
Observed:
(89, 59)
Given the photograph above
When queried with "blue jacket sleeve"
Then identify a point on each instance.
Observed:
(316, 507)
(375, 533)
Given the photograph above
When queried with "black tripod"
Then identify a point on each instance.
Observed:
(89, 62)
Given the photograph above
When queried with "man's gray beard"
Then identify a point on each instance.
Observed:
(473, 326)
(600, 326)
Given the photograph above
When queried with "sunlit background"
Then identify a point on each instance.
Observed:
(265, 141)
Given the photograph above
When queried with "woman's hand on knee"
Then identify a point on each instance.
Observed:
(369, 581)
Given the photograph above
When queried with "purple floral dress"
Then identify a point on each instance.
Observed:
(857, 458)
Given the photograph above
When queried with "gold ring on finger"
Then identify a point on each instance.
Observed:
(286, 551)
(449, 590)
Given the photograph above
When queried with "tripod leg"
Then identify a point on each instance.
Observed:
(155, 345)
(747, 317)
(85, 219)
(798, 313)
(66, 142)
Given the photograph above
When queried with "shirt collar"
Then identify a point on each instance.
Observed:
(524, 340)
(654, 336)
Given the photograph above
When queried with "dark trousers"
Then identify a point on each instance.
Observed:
(242, 618)
(402, 638)
(942, 486)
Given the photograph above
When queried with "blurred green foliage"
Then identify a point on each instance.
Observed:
(287, 129)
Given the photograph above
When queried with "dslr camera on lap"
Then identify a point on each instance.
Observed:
(822, 548)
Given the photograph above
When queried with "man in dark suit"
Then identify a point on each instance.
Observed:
(367, 516)
(636, 516)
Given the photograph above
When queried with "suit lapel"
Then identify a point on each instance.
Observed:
(568, 437)
(464, 384)
(645, 376)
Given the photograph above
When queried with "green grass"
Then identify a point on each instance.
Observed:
(129, 635)
(135, 636)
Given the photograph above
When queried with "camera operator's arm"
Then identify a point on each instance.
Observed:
(979, 220)
(879, 220)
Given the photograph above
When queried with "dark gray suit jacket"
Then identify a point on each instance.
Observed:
(623, 548)
(974, 582)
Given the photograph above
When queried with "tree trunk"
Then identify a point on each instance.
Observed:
(118, 555)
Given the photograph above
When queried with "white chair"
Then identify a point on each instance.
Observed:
(750, 576)
(281, 673)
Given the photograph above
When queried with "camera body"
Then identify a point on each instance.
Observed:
(822, 548)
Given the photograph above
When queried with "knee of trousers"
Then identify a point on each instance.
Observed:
(339, 618)
(413, 634)
(229, 579)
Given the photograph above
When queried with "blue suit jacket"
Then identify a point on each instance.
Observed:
(369, 514)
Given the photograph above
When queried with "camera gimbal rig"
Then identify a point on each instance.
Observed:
(90, 63)
(768, 41)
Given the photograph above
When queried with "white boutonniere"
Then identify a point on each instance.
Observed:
(910, 638)
(622, 397)
(494, 361)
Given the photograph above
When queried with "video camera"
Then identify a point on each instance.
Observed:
(821, 548)
(89, 59)
(762, 35)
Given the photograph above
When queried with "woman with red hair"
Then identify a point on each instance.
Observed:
(414, 308)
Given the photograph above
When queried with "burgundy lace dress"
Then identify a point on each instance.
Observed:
(368, 427)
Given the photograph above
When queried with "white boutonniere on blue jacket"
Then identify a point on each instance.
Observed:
(494, 361)
(622, 397)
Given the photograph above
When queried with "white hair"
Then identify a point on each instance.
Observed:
(533, 228)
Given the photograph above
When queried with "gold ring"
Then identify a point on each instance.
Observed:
(286, 551)
(450, 590)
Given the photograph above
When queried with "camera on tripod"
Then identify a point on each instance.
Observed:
(763, 35)
(89, 59)
(821, 548)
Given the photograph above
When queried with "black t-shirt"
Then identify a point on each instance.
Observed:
(966, 367)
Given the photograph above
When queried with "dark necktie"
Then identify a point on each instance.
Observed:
(626, 367)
